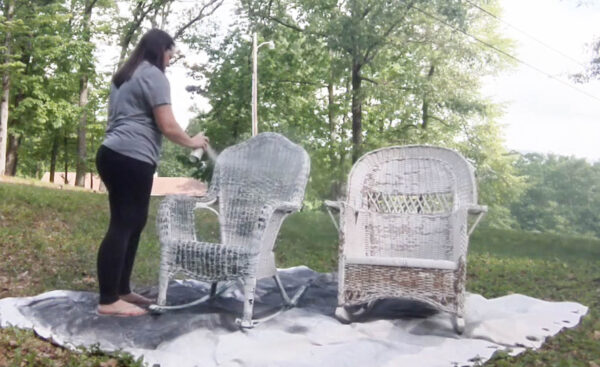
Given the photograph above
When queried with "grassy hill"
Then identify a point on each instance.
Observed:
(49, 239)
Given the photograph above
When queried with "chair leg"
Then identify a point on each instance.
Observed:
(163, 284)
(249, 288)
(349, 314)
(458, 323)
(213, 290)
(343, 315)
(284, 295)
(286, 299)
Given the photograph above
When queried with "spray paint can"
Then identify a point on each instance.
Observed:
(196, 155)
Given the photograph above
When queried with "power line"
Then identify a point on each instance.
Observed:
(500, 51)
(525, 33)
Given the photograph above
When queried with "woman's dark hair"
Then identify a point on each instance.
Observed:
(152, 48)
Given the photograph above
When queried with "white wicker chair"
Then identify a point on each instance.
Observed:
(404, 229)
(256, 184)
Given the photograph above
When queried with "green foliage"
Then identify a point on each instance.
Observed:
(562, 195)
(419, 84)
(53, 49)
(175, 162)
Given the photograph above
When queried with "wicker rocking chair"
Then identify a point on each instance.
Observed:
(404, 230)
(256, 184)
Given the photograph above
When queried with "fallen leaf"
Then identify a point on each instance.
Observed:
(597, 335)
(593, 364)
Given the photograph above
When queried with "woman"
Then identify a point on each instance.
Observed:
(139, 114)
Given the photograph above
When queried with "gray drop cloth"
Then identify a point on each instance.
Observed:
(394, 333)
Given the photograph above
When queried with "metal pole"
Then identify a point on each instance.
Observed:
(254, 85)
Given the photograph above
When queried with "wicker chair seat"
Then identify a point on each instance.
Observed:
(403, 262)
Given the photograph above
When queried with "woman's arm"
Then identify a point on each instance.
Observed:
(163, 115)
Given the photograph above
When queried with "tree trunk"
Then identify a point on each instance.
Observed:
(81, 133)
(4, 121)
(331, 114)
(80, 169)
(53, 156)
(425, 106)
(66, 148)
(333, 161)
(12, 154)
(9, 11)
(357, 100)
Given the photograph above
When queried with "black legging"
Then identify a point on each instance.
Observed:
(129, 183)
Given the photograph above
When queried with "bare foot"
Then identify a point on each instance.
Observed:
(121, 308)
(136, 299)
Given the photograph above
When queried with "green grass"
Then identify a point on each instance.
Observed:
(49, 239)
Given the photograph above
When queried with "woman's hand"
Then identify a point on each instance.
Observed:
(200, 141)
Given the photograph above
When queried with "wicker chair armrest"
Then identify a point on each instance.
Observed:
(340, 207)
(207, 206)
(286, 207)
(337, 205)
(197, 201)
(477, 209)
(209, 198)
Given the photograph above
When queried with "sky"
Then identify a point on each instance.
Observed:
(541, 114)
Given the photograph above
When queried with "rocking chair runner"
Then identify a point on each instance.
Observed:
(404, 229)
(256, 184)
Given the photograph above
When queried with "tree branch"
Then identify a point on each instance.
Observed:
(374, 47)
(443, 122)
(369, 80)
(215, 4)
(279, 21)
(303, 82)
(90, 6)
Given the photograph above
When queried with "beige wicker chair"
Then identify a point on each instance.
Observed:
(256, 185)
(404, 229)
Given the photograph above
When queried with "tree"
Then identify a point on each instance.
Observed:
(8, 11)
(561, 197)
(56, 100)
(43, 101)
(159, 13)
(85, 68)
(359, 31)
(593, 69)
(418, 81)
(31, 38)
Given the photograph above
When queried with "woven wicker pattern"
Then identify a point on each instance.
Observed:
(369, 283)
(407, 203)
(183, 252)
(256, 184)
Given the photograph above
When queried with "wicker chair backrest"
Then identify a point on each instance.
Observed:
(406, 196)
(267, 169)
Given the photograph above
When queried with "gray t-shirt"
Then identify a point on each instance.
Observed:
(131, 129)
